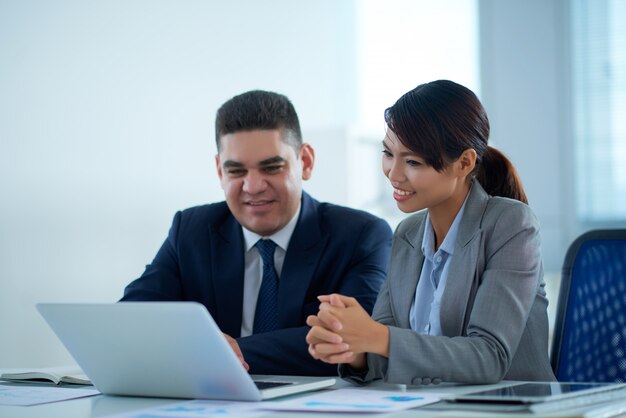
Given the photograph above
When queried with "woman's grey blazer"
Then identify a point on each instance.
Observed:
(493, 310)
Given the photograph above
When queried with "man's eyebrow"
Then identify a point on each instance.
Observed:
(269, 161)
(231, 163)
(273, 160)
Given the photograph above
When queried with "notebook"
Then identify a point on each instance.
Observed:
(161, 349)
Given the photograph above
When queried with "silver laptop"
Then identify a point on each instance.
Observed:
(161, 349)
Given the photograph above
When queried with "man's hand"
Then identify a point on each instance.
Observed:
(237, 350)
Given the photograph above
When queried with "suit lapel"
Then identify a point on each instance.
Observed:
(468, 259)
(407, 265)
(305, 249)
(227, 271)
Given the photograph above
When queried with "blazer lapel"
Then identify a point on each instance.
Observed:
(407, 265)
(305, 249)
(468, 259)
(227, 271)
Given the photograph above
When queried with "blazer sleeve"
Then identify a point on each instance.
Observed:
(161, 281)
(377, 365)
(499, 311)
(285, 351)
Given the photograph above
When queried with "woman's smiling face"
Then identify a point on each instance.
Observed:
(416, 185)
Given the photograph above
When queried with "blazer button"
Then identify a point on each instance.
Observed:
(417, 381)
(426, 381)
(436, 380)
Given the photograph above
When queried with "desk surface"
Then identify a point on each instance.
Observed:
(103, 406)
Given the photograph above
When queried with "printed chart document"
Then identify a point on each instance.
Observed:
(56, 375)
(354, 400)
(35, 395)
(200, 408)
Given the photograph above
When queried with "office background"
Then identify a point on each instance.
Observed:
(107, 112)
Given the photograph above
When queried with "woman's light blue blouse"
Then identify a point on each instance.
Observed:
(424, 314)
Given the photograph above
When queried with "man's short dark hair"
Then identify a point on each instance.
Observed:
(258, 110)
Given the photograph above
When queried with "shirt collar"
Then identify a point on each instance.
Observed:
(428, 241)
(280, 237)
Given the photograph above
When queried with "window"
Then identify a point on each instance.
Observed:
(599, 109)
(403, 43)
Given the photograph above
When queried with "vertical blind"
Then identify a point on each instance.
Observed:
(599, 108)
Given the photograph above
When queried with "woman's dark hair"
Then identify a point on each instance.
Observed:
(441, 119)
(258, 109)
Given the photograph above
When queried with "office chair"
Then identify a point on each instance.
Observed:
(589, 341)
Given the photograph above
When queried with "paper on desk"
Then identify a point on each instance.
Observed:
(36, 395)
(354, 400)
(199, 408)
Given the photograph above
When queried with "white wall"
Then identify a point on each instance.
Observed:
(106, 129)
(106, 114)
(525, 90)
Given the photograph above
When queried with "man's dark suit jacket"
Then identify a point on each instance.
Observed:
(332, 249)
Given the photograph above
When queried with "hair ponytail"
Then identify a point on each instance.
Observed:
(499, 177)
(439, 121)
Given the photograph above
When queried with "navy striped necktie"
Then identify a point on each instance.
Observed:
(266, 315)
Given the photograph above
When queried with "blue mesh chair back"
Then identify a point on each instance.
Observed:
(589, 341)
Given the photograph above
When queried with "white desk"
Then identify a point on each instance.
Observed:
(102, 406)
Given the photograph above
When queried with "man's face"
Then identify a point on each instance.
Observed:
(262, 177)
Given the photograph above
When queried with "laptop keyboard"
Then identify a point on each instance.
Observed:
(260, 384)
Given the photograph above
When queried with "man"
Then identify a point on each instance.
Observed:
(259, 260)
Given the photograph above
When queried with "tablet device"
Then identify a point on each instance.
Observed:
(534, 392)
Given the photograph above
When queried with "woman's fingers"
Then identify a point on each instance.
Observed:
(319, 334)
(313, 320)
(345, 357)
(325, 349)
(328, 319)
(346, 301)
(331, 353)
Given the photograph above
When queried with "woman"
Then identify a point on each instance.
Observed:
(464, 298)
